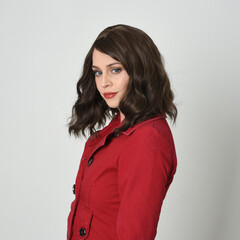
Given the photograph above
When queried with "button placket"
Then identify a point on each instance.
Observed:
(90, 161)
(82, 232)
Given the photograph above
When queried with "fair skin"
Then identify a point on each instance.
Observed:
(111, 79)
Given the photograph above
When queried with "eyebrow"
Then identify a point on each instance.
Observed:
(109, 65)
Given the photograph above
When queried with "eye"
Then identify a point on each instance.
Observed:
(97, 73)
(116, 70)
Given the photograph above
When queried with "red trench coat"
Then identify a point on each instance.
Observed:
(122, 182)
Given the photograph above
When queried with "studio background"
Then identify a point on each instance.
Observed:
(42, 48)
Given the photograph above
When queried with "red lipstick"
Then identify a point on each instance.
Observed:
(109, 94)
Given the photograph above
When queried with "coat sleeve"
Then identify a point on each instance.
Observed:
(144, 174)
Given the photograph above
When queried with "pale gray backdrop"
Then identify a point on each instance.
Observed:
(42, 47)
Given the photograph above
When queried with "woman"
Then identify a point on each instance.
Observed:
(126, 167)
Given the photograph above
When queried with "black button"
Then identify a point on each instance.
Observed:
(90, 161)
(73, 189)
(82, 232)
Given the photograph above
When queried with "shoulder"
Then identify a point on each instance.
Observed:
(151, 131)
(150, 142)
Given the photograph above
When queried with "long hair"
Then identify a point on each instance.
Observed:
(148, 93)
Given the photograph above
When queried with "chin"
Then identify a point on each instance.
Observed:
(112, 104)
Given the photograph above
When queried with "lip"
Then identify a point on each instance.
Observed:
(109, 94)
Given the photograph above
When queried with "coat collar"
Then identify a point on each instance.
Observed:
(105, 132)
(115, 123)
(132, 129)
(98, 141)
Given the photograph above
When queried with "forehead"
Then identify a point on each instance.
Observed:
(102, 59)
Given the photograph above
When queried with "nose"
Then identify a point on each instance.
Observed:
(106, 81)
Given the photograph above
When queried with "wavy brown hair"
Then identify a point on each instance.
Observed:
(148, 94)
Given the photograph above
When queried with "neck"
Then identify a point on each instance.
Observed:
(121, 116)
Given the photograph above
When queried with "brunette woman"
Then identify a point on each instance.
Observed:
(127, 167)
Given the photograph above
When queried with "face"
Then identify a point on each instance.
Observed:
(110, 77)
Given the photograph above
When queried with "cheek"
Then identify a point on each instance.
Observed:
(124, 80)
(97, 85)
(125, 84)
